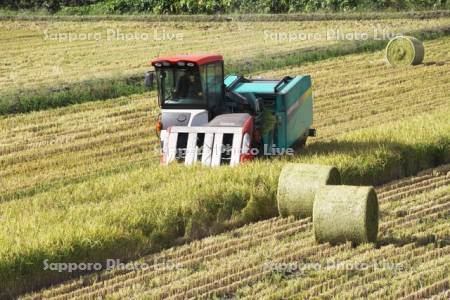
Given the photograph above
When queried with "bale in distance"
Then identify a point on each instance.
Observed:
(345, 213)
(405, 51)
(297, 186)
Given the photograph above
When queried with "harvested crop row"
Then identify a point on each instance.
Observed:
(107, 138)
(207, 283)
(365, 91)
(361, 281)
(330, 289)
(63, 169)
(434, 289)
(164, 276)
(397, 194)
(131, 199)
(37, 126)
(425, 185)
(118, 284)
(431, 210)
(426, 255)
(124, 136)
(58, 134)
(429, 275)
(44, 51)
(362, 103)
(195, 252)
(313, 285)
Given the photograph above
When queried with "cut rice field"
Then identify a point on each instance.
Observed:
(356, 91)
(278, 258)
(82, 183)
(129, 213)
(351, 93)
(53, 53)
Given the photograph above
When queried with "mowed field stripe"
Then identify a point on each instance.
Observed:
(33, 50)
(230, 253)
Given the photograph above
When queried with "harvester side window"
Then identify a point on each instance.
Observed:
(215, 84)
(159, 82)
(203, 78)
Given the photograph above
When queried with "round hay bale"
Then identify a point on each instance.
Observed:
(345, 213)
(404, 51)
(297, 186)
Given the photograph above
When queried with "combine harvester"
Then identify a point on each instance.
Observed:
(219, 120)
(206, 117)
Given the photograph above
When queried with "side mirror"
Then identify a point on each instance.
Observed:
(149, 79)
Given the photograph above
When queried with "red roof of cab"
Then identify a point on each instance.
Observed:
(198, 59)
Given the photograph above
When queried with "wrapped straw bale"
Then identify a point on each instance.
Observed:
(297, 186)
(404, 51)
(345, 213)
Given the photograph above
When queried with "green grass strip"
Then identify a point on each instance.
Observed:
(28, 100)
(142, 210)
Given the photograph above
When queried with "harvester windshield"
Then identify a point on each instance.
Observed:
(180, 87)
